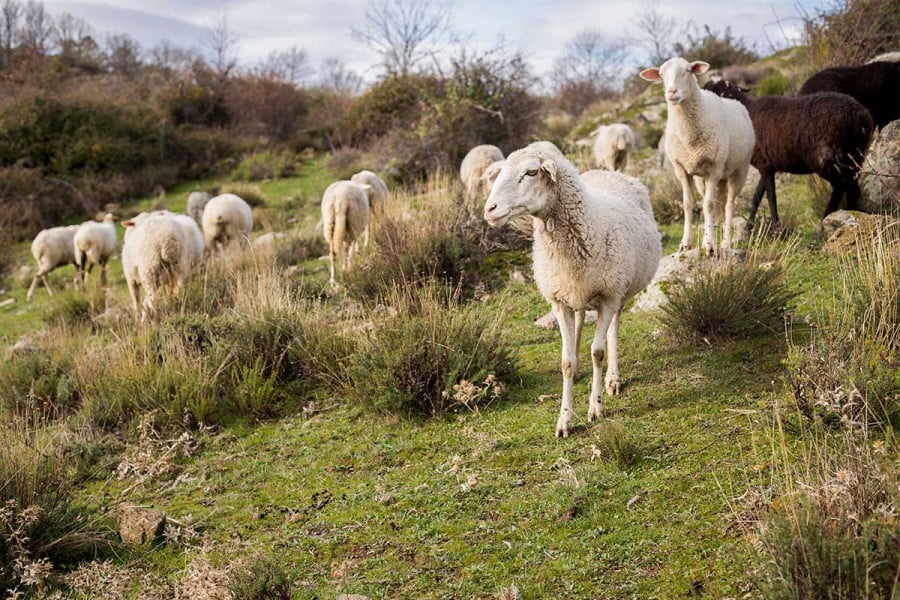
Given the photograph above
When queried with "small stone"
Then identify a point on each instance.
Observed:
(139, 526)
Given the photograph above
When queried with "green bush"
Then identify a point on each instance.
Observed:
(432, 356)
(263, 579)
(251, 194)
(774, 84)
(730, 300)
(265, 164)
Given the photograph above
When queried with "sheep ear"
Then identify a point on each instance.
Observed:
(128, 223)
(491, 175)
(365, 186)
(651, 74)
(549, 167)
(699, 67)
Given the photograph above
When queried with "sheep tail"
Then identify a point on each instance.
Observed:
(622, 143)
(339, 226)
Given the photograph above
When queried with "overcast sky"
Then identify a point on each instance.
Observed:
(539, 28)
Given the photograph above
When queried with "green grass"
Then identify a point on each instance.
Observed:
(346, 500)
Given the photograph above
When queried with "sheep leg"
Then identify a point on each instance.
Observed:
(46, 283)
(853, 193)
(579, 326)
(103, 275)
(709, 217)
(687, 202)
(732, 190)
(332, 281)
(565, 316)
(613, 384)
(837, 192)
(757, 198)
(770, 193)
(598, 352)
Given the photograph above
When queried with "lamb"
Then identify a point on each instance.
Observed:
(876, 85)
(94, 244)
(197, 201)
(226, 218)
(706, 136)
(596, 245)
(473, 167)
(612, 145)
(345, 216)
(51, 248)
(824, 133)
(156, 254)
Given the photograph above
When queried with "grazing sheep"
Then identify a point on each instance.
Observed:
(876, 85)
(156, 254)
(226, 218)
(51, 248)
(706, 136)
(472, 168)
(596, 245)
(192, 232)
(612, 145)
(345, 216)
(886, 57)
(197, 201)
(272, 237)
(826, 133)
(377, 193)
(94, 244)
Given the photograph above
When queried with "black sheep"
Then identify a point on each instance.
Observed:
(826, 134)
(876, 85)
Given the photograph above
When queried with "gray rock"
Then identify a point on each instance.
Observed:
(880, 183)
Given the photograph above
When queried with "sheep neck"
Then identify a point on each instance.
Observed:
(688, 121)
(564, 218)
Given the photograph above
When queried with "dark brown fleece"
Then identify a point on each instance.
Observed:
(825, 133)
(876, 86)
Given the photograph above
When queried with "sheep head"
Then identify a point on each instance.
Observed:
(679, 78)
(525, 184)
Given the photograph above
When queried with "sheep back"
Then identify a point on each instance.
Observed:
(54, 247)
(378, 194)
(156, 252)
(473, 166)
(226, 217)
(875, 85)
(345, 206)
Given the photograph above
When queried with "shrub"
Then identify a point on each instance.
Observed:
(616, 444)
(774, 84)
(263, 579)
(665, 196)
(265, 164)
(832, 533)
(728, 300)
(251, 194)
(344, 162)
(411, 361)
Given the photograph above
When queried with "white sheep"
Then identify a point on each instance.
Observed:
(94, 244)
(377, 193)
(472, 169)
(345, 216)
(51, 248)
(192, 233)
(226, 218)
(612, 144)
(596, 245)
(156, 254)
(706, 136)
(196, 202)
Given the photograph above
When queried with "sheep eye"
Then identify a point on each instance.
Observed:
(531, 172)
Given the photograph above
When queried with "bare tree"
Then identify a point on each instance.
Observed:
(38, 27)
(337, 78)
(123, 54)
(656, 33)
(589, 68)
(10, 12)
(222, 43)
(404, 32)
(291, 66)
(166, 55)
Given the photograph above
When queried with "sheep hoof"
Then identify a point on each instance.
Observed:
(562, 428)
(595, 413)
(613, 387)
(684, 247)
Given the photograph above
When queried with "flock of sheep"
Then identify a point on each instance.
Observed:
(596, 242)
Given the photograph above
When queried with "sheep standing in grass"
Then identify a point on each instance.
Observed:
(192, 233)
(596, 245)
(156, 255)
(706, 136)
(51, 248)
(94, 244)
(472, 169)
(612, 144)
(875, 85)
(197, 201)
(226, 218)
(827, 134)
(345, 216)
(377, 193)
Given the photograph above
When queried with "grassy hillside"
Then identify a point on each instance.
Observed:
(301, 479)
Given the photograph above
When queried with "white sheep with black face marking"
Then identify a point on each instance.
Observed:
(596, 244)
(706, 136)
(51, 248)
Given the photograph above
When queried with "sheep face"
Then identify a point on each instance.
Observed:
(522, 187)
(679, 78)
